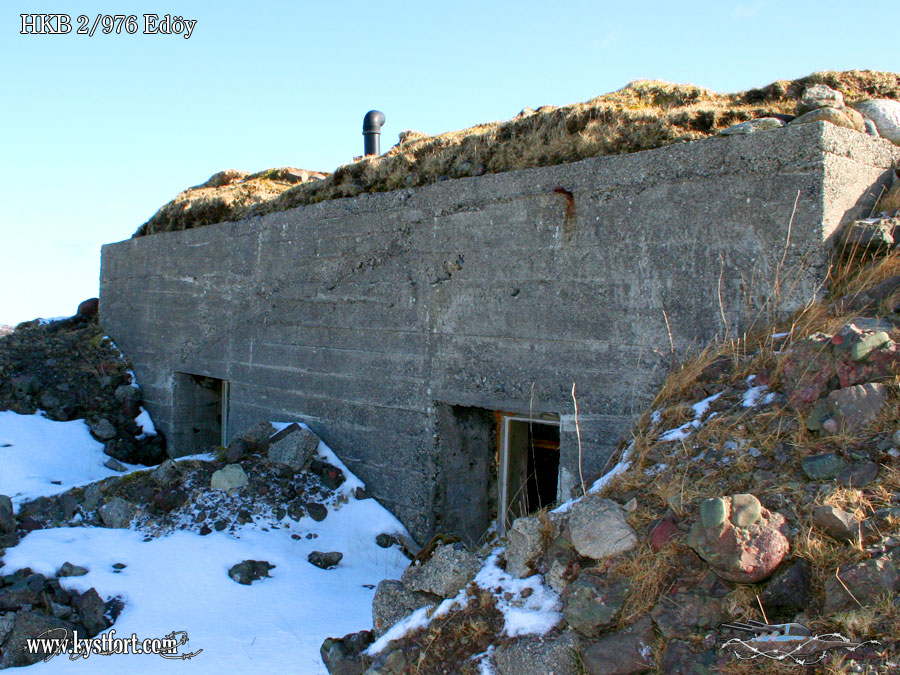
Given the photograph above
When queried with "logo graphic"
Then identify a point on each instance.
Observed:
(787, 642)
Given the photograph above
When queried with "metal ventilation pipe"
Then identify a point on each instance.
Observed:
(372, 123)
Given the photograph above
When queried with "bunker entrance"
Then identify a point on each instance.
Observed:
(201, 413)
(529, 466)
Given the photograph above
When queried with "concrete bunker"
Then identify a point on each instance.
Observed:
(402, 326)
(200, 412)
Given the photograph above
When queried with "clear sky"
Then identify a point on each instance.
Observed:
(100, 131)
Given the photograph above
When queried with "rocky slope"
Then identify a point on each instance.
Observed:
(640, 116)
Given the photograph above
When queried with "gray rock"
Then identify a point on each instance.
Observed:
(787, 594)
(69, 505)
(622, 653)
(294, 446)
(31, 625)
(248, 571)
(229, 478)
(885, 115)
(103, 430)
(842, 117)
(752, 126)
(70, 570)
(449, 569)
(325, 560)
(862, 583)
(681, 614)
(547, 655)
(165, 474)
(127, 392)
(6, 624)
(93, 496)
(858, 475)
(868, 342)
(819, 96)
(91, 610)
(857, 406)
(6, 504)
(823, 467)
(393, 601)
(868, 235)
(116, 514)
(343, 656)
(837, 523)
(524, 544)
(7, 521)
(115, 465)
(592, 602)
(598, 529)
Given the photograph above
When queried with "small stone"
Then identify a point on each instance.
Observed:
(622, 653)
(752, 126)
(713, 512)
(325, 560)
(662, 533)
(293, 446)
(91, 610)
(524, 545)
(115, 465)
(450, 568)
(837, 523)
(248, 571)
(230, 478)
(823, 467)
(165, 474)
(868, 342)
(858, 475)
(745, 510)
(103, 430)
(316, 511)
(598, 528)
(819, 96)
(592, 602)
(842, 117)
(787, 593)
(70, 570)
(393, 601)
(858, 406)
(116, 514)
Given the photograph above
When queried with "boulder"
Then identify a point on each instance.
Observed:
(597, 528)
(293, 446)
(885, 114)
(450, 569)
(787, 594)
(842, 117)
(752, 126)
(103, 429)
(681, 614)
(862, 583)
(88, 308)
(91, 610)
(622, 653)
(818, 96)
(591, 603)
(31, 625)
(229, 478)
(823, 466)
(740, 539)
(116, 514)
(393, 601)
(248, 571)
(344, 656)
(538, 656)
(166, 474)
(837, 523)
(325, 560)
(858, 406)
(524, 544)
(808, 368)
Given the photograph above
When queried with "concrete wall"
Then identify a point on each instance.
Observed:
(363, 317)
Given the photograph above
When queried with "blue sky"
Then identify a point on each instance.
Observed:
(98, 132)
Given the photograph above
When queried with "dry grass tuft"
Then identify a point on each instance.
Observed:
(640, 116)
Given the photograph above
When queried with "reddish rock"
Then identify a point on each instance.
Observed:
(739, 539)
(807, 370)
(662, 532)
(89, 308)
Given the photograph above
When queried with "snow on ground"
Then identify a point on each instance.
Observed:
(180, 582)
(700, 409)
(40, 457)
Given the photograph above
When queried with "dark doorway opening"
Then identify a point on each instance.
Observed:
(200, 414)
(529, 466)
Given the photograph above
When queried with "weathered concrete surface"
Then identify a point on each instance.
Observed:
(366, 317)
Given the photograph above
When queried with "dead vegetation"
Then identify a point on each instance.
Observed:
(640, 116)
